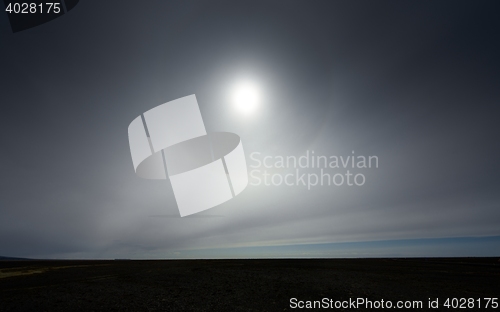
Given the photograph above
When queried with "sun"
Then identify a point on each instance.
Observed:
(246, 97)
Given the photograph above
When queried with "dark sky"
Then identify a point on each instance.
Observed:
(414, 83)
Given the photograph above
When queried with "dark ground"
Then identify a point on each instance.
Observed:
(239, 285)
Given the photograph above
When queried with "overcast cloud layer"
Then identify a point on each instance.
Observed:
(414, 83)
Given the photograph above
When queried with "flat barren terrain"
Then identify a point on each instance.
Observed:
(247, 285)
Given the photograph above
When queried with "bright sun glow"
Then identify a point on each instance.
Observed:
(246, 97)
